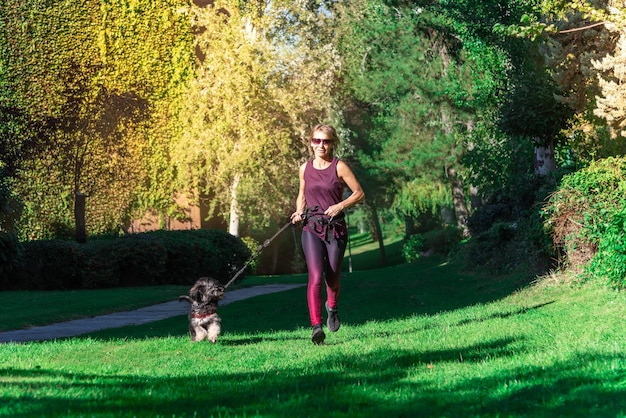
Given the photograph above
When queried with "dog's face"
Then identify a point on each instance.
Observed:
(206, 290)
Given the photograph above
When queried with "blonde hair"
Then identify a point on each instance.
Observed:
(329, 131)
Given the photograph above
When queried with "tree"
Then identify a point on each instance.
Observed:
(240, 141)
(264, 76)
(427, 79)
(611, 105)
(575, 38)
(532, 112)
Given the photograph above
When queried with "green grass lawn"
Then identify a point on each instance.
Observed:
(419, 340)
(58, 306)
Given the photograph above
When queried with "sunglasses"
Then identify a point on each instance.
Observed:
(318, 141)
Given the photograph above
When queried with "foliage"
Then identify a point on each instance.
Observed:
(486, 216)
(581, 211)
(172, 257)
(439, 241)
(246, 113)
(580, 42)
(531, 110)
(507, 247)
(10, 250)
(425, 77)
(412, 248)
(253, 246)
(611, 106)
(498, 164)
(609, 263)
(9, 205)
(100, 84)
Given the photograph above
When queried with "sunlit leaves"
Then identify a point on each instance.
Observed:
(99, 81)
(239, 135)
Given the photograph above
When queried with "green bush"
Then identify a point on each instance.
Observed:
(99, 268)
(10, 250)
(486, 216)
(580, 215)
(508, 247)
(437, 241)
(609, 263)
(140, 259)
(441, 241)
(50, 265)
(412, 248)
(162, 257)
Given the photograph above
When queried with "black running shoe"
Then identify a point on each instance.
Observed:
(333, 318)
(318, 335)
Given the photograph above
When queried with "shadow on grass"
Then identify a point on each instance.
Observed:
(338, 385)
(368, 260)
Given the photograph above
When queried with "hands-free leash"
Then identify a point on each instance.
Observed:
(256, 254)
(308, 213)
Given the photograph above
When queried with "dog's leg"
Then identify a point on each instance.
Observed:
(200, 333)
(214, 329)
(192, 331)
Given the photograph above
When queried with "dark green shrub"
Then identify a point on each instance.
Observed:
(412, 248)
(441, 241)
(508, 247)
(485, 216)
(50, 265)
(437, 241)
(489, 250)
(10, 250)
(100, 269)
(163, 257)
(206, 252)
(140, 259)
(609, 263)
(579, 214)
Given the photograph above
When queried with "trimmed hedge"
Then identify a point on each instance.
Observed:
(9, 253)
(152, 258)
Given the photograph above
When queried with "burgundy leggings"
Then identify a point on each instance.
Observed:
(322, 256)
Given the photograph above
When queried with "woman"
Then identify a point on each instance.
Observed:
(325, 235)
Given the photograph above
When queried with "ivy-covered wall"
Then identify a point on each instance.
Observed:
(98, 87)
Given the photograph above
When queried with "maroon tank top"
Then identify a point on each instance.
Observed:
(323, 188)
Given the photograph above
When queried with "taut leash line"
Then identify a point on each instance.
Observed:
(256, 254)
(308, 213)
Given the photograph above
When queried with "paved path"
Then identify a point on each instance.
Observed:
(136, 317)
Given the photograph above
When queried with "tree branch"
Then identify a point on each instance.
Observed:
(583, 28)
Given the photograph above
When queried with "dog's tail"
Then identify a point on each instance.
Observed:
(184, 297)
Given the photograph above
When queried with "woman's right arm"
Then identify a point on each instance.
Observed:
(298, 215)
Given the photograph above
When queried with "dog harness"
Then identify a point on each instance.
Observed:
(204, 315)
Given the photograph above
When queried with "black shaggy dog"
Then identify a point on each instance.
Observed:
(204, 295)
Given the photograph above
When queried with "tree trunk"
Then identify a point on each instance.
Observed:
(458, 197)
(378, 235)
(545, 162)
(233, 226)
(476, 200)
(409, 226)
(80, 203)
(458, 194)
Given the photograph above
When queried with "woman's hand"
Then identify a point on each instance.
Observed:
(334, 210)
(297, 217)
